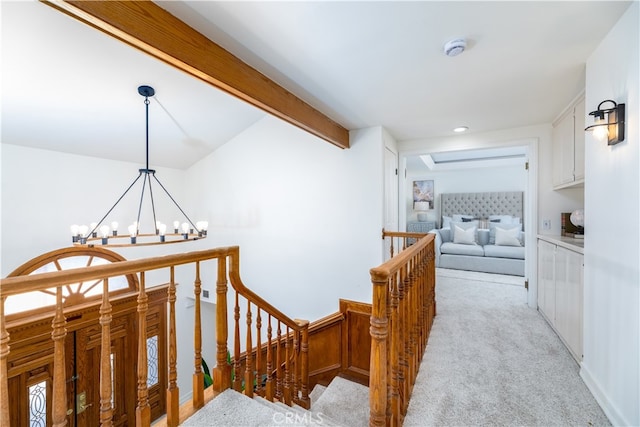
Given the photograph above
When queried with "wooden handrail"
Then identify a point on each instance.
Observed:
(293, 367)
(37, 282)
(403, 307)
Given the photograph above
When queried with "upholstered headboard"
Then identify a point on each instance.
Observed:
(481, 205)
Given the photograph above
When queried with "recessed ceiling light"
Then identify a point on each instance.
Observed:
(461, 129)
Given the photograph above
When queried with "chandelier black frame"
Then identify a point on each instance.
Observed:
(187, 231)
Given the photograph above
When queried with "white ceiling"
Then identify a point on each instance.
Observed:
(68, 87)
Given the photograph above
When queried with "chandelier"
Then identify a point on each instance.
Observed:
(109, 235)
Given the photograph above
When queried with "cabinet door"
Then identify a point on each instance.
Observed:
(546, 280)
(562, 139)
(569, 279)
(579, 125)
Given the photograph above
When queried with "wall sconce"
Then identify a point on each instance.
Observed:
(612, 127)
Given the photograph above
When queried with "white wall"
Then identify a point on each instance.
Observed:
(506, 178)
(306, 215)
(611, 365)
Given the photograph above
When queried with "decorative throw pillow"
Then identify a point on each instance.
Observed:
(492, 230)
(507, 237)
(464, 236)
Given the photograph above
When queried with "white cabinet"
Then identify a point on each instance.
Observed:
(569, 279)
(546, 281)
(568, 146)
(560, 291)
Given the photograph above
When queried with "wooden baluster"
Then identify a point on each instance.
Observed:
(143, 410)
(269, 386)
(279, 393)
(173, 392)
(411, 300)
(394, 353)
(378, 359)
(237, 377)
(248, 364)
(432, 280)
(391, 250)
(422, 313)
(58, 334)
(287, 367)
(295, 354)
(222, 371)
(408, 332)
(304, 364)
(106, 410)
(198, 375)
(258, 359)
(4, 376)
(401, 332)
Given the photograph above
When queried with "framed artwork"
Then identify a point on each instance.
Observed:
(423, 192)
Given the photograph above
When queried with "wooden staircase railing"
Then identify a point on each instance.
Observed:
(402, 314)
(282, 360)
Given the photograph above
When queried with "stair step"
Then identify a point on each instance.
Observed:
(342, 404)
(345, 402)
(317, 392)
(231, 408)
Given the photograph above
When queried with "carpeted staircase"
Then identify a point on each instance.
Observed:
(343, 403)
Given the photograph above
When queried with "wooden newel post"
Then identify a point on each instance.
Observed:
(222, 371)
(379, 333)
(304, 362)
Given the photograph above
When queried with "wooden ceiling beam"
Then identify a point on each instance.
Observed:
(146, 26)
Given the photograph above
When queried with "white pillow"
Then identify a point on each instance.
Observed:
(465, 237)
(507, 237)
(446, 221)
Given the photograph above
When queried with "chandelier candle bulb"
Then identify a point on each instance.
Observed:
(176, 226)
(133, 231)
(104, 231)
(93, 227)
(74, 233)
(84, 233)
(162, 229)
(114, 227)
(202, 228)
(185, 230)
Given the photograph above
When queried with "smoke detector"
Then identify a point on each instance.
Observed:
(455, 47)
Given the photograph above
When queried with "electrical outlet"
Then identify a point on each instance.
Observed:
(546, 224)
(205, 293)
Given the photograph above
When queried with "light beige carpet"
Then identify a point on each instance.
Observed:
(493, 361)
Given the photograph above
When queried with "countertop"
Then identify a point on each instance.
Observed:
(576, 245)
